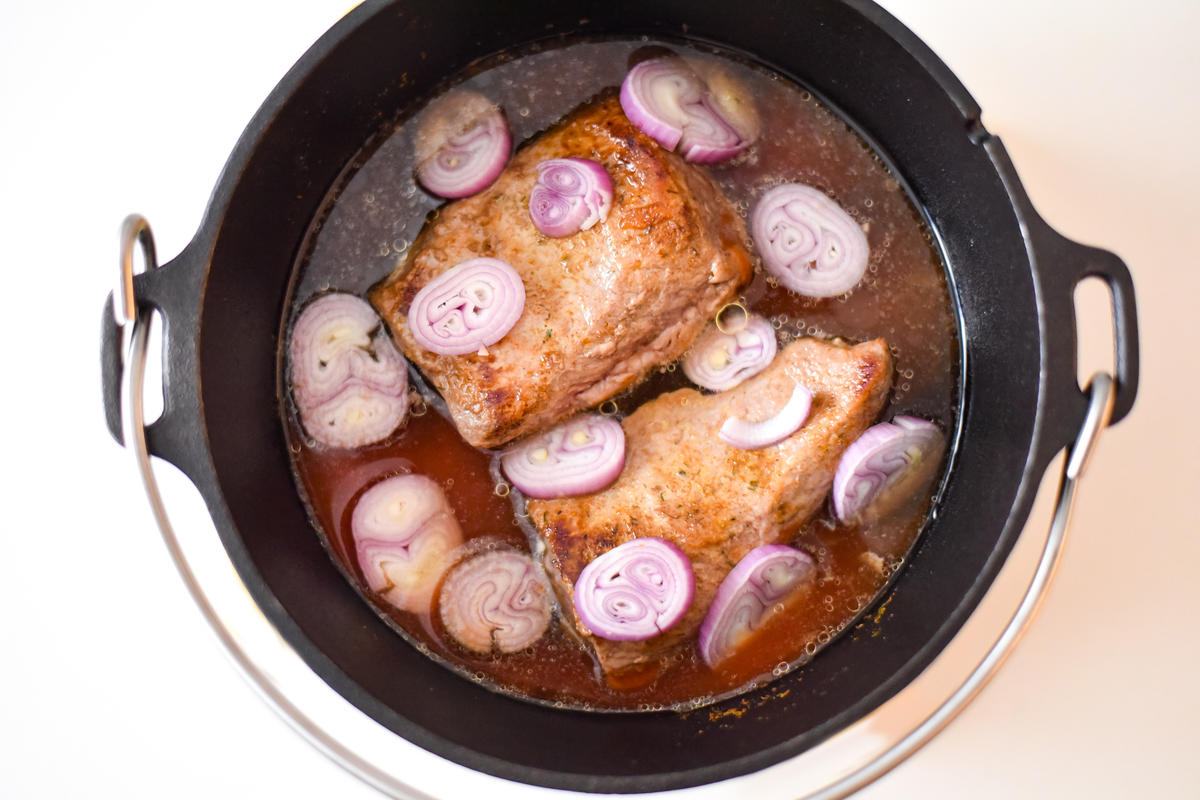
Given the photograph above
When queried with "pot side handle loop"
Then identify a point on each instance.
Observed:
(120, 313)
(172, 290)
(125, 341)
(1060, 264)
(1112, 270)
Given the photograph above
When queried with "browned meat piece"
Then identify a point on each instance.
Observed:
(717, 503)
(602, 306)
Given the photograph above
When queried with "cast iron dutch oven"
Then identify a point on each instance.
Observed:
(224, 300)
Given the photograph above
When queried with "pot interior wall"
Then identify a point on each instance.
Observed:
(382, 58)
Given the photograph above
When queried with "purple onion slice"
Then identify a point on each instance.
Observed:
(749, 595)
(670, 103)
(462, 145)
(349, 382)
(496, 600)
(582, 455)
(707, 136)
(404, 531)
(654, 94)
(635, 591)
(467, 307)
(737, 432)
(808, 242)
(888, 464)
(720, 360)
(571, 195)
(729, 97)
(355, 417)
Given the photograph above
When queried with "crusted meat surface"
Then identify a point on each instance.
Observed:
(716, 502)
(603, 306)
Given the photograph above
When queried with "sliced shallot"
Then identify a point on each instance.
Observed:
(749, 595)
(355, 417)
(349, 382)
(498, 599)
(468, 307)
(571, 195)
(720, 360)
(671, 104)
(886, 465)
(635, 591)
(737, 432)
(462, 145)
(582, 455)
(729, 96)
(808, 241)
(404, 531)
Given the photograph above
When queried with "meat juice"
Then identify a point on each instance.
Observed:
(376, 210)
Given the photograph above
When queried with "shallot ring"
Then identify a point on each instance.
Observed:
(468, 307)
(745, 435)
(635, 591)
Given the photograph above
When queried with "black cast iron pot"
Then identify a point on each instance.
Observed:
(224, 301)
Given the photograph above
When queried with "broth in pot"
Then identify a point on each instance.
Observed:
(380, 226)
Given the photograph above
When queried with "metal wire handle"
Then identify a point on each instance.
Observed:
(1100, 404)
(135, 326)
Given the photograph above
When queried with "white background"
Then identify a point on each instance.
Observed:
(111, 685)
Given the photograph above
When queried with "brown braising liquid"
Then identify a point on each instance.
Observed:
(371, 218)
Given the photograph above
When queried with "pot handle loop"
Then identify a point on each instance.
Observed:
(128, 327)
(122, 316)
(173, 292)
(1060, 266)
(134, 230)
(1112, 270)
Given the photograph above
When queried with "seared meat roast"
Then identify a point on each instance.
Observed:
(603, 306)
(716, 502)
